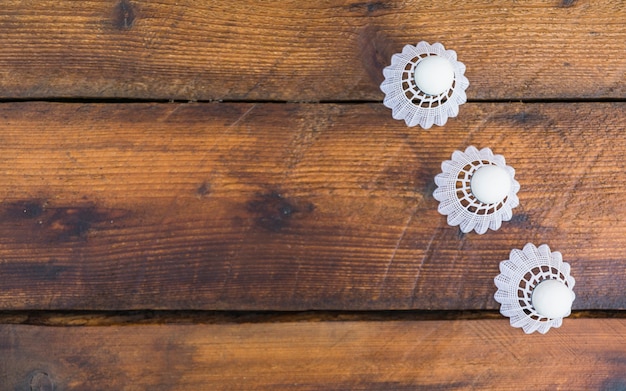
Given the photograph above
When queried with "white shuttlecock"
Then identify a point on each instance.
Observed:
(424, 85)
(476, 190)
(535, 288)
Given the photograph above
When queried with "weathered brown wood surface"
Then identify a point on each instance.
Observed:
(293, 206)
(228, 209)
(584, 354)
(304, 51)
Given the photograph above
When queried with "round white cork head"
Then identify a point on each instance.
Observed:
(434, 75)
(552, 299)
(490, 184)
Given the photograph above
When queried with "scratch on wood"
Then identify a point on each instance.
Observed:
(242, 116)
(229, 272)
(296, 280)
(168, 115)
(395, 250)
(340, 340)
(232, 256)
(497, 337)
(388, 162)
(476, 128)
(583, 172)
(314, 123)
(427, 255)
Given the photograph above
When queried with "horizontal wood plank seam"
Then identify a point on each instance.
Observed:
(139, 317)
(321, 102)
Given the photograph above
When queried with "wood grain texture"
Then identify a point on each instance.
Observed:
(584, 354)
(293, 207)
(304, 51)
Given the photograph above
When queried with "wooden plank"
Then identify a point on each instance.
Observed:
(303, 51)
(584, 354)
(293, 207)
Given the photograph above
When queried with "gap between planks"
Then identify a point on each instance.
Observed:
(263, 101)
(149, 317)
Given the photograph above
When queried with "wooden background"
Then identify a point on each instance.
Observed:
(210, 195)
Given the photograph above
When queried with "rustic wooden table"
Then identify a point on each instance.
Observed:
(205, 195)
